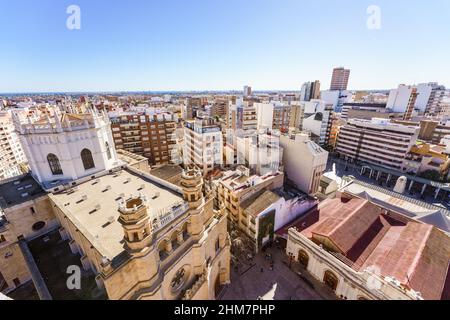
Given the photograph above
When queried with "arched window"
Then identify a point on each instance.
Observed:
(108, 150)
(331, 280)
(303, 258)
(88, 161)
(54, 164)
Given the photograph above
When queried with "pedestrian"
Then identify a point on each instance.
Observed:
(262, 269)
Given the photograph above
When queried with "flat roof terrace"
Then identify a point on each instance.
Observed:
(18, 190)
(93, 207)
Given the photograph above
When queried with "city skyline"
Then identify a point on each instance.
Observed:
(218, 46)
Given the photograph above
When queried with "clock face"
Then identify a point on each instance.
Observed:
(179, 279)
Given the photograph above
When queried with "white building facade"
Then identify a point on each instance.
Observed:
(304, 161)
(11, 152)
(67, 147)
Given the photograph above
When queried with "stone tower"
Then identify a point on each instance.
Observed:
(136, 225)
(192, 185)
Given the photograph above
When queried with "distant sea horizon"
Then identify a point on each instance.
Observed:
(173, 92)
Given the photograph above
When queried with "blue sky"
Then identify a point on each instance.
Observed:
(220, 44)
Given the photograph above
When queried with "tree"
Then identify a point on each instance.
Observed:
(432, 175)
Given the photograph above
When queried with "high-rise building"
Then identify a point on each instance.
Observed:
(339, 79)
(438, 103)
(317, 120)
(12, 157)
(247, 91)
(403, 100)
(203, 144)
(376, 141)
(151, 135)
(310, 90)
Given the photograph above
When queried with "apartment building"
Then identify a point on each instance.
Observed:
(234, 187)
(362, 110)
(403, 100)
(261, 152)
(317, 120)
(246, 116)
(339, 79)
(430, 130)
(310, 90)
(274, 115)
(151, 135)
(192, 105)
(304, 161)
(336, 123)
(297, 114)
(439, 101)
(12, 157)
(281, 117)
(247, 91)
(203, 144)
(376, 141)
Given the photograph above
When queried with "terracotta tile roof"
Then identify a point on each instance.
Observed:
(346, 225)
(415, 253)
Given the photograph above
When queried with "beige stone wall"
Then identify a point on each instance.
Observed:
(20, 223)
(83, 246)
(21, 218)
(13, 265)
(154, 277)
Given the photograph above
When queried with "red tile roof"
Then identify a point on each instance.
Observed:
(415, 253)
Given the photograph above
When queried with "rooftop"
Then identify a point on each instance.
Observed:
(129, 157)
(93, 207)
(259, 202)
(415, 253)
(410, 207)
(167, 171)
(19, 190)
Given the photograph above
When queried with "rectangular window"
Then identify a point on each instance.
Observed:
(217, 245)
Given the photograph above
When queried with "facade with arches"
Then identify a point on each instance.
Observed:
(164, 241)
(350, 245)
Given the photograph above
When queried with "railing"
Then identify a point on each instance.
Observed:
(165, 216)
